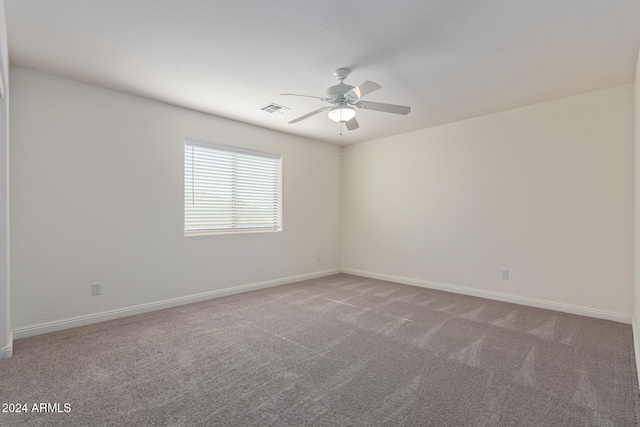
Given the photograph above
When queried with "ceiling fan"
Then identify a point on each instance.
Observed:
(343, 97)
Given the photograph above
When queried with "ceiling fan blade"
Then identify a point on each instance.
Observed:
(352, 124)
(387, 108)
(306, 96)
(362, 90)
(306, 116)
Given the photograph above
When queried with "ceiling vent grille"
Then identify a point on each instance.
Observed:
(272, 108)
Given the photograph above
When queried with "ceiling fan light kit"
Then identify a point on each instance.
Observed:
(343, 97)
(342, 113)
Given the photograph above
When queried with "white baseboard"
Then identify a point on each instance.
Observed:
(144, 308)
(58, 325)
(7, 351)
(636, 351)
(73, 322)
(532, 302)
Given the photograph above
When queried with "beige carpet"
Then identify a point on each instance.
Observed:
(336, 351)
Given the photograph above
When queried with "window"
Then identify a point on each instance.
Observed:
(230, 189)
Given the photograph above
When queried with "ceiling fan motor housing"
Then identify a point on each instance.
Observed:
(336, 93)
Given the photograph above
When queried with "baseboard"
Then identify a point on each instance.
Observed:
(58, 325)
(532, 302)
(144, 308)
(635, 347)
(44, 328)
(73, 322)
(7, 351)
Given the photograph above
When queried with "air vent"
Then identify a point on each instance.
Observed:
(272, 108)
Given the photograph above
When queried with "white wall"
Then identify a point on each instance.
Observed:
(6, 340)
(96, 181)
(545, 191)
(97, 196)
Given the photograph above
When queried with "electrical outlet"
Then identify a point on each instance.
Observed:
(96, 288)
(319, 258)
(504, 274)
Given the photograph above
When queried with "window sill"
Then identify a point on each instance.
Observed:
(213, 233)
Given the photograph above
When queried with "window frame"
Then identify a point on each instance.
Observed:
(239, 151)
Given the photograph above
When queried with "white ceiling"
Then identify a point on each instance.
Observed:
(447, 59)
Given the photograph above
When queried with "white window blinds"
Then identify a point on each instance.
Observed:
(230, 189)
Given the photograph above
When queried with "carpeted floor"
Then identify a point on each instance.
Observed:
(335, 351)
